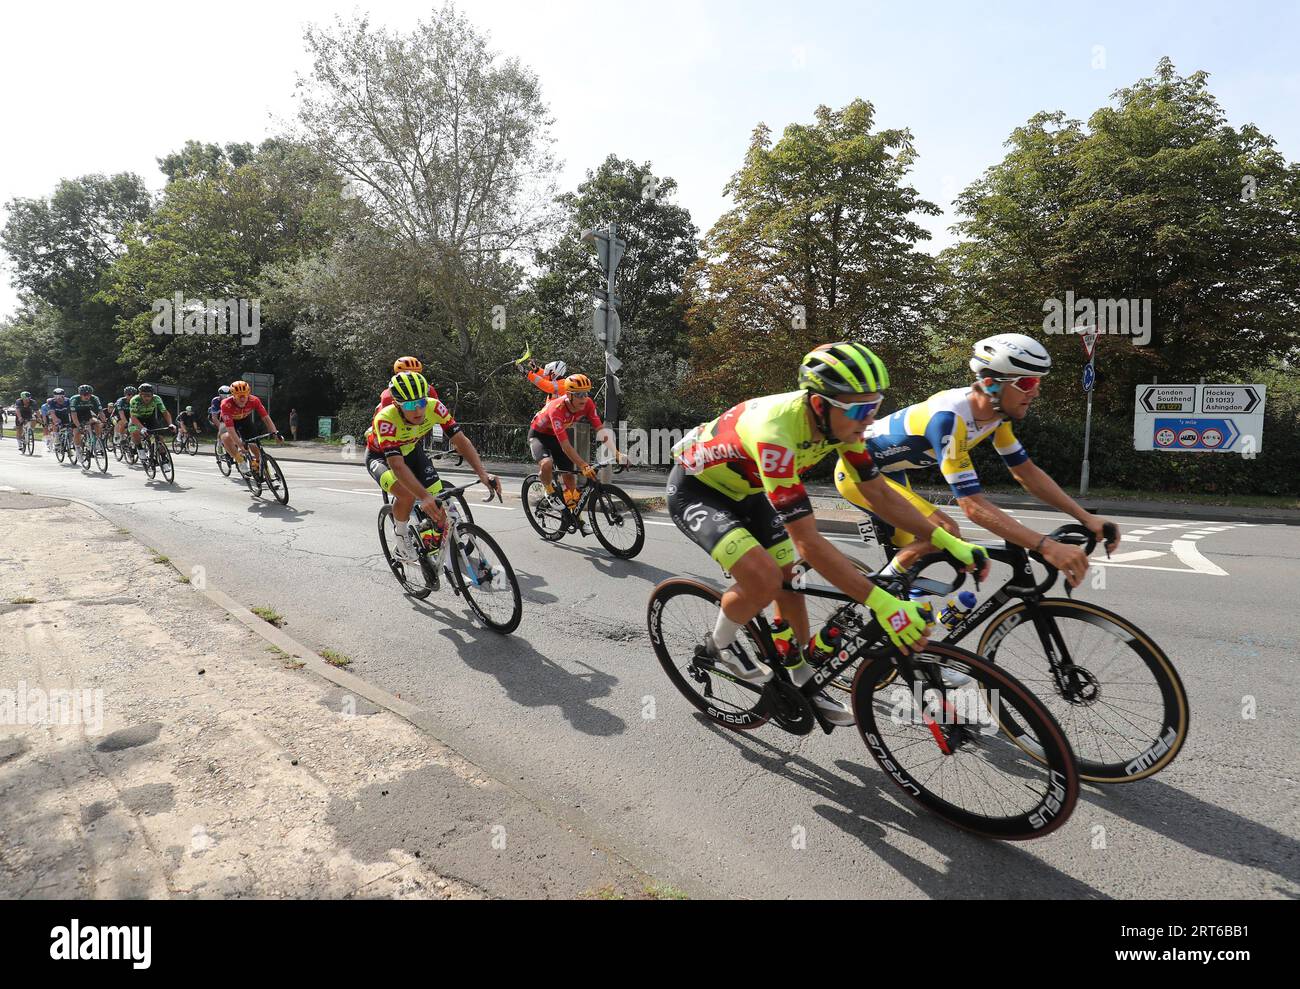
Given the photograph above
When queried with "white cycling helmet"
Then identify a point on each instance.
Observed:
(1010, 355)
(556, 370)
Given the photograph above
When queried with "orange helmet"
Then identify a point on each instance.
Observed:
(407, 364)
(240, 389)
(577, 383)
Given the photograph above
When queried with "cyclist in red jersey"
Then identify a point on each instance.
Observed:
(243, 414)
(548, 436)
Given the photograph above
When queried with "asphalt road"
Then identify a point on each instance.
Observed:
(560, 708)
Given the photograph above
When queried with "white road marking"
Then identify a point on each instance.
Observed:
(1188, 553)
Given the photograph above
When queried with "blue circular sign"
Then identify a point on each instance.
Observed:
(1089, 376)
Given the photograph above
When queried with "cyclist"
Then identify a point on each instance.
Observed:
(25, 410)
(550, 378)
(60, 413)
(548, 437)
(214, 410)
(46, 428)
(122, 412)
(736, 490)
(1008, 370)
(147, 413)
(86, 408)
(186, 423)
(243, 415)
(397, 461)
(404, 365)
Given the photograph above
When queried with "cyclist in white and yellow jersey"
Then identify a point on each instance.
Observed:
(1009, 370)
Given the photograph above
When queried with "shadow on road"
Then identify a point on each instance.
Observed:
(865, 806)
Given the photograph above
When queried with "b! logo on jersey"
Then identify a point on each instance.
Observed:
(387, 428)
(899, 621)
(441, 409)
(775, 460)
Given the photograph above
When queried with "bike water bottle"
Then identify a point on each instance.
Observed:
(824, 644)
(957, 609)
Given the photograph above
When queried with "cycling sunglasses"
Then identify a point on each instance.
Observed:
(1028, 385)
(857, 411)
(415, 405)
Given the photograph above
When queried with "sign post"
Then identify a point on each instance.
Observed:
(605, 321)
(1088, 338)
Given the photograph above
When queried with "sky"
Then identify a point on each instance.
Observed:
(110, 87)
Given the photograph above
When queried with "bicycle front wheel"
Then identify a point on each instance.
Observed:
(165, 463)
(275, 478)
(616, 521)
(681, 613)
(484, 576)
(223, 461)
(1117, 695)
(101, 456)
(937, 733)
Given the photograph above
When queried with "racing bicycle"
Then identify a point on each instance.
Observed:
(463, 553)
(1114, 691)
(612, 514)
(934, 720)
(259, 470)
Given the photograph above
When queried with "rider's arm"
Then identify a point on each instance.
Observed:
(1042, 486)
(405, 479)
(465, 447)
(823, 557)
(562, 437)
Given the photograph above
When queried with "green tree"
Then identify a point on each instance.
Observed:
(62, 249)
(820, 246)
(210, 238)
(447, 147)
(661, 247)
(30, 349)
(1157, 198)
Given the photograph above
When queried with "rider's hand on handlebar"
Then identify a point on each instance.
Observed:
(1070, 560)
(433, 508)
(589, 472)
(971, 557)
(901, 619)
(493, 484)
(1097, 526)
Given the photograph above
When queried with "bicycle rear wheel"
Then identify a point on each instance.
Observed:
(1121, 702)
(543, 515)
(616, 521)
(484, 576)
(937, 733)
(680, 614)
(415, 577)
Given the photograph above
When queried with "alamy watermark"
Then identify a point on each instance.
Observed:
(179, 316)
(59, 706)
(1114, 317)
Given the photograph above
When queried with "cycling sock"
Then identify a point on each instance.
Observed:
(893, 568)
(724, 632)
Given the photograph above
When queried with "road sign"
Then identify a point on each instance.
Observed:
(1089, 376)
(1088, 337)
(1199, 418)
(1231, 398)
(1167, 398)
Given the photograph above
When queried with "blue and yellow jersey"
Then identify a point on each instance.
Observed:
(941, 430)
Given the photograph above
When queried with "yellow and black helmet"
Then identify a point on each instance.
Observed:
(407, 364)
(408, 386)
(577, 383)
(842, 369)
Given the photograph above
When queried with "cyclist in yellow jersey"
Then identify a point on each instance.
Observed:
(736, 490)
(397, 461)
(942, 431)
